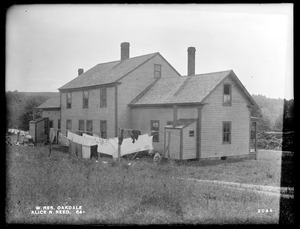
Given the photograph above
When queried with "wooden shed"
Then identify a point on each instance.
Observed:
(39, 129)
(182, 135)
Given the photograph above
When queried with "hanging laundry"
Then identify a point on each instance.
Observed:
(110, 147)
(91, 140)
(135, 135)
(70, 135)
(95, 135)
(63, 140)
(86, 152)
(72, 148)
(75, 138)
(121, 137)
(78, 151)
(88, 143)
(144, 142)
(52, 135)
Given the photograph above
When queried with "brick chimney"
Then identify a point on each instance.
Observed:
(124, 50)
(191, 61)
(80, 71)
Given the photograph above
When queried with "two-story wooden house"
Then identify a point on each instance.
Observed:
(207, 115)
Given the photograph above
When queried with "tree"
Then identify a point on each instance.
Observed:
(278, 123)
(26, 116)
(264, 124)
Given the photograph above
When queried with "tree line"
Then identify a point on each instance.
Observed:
(19, 107)
(275, 114)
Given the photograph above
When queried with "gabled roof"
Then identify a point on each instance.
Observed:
(181, 123)
(107, 73)
(53, 102)
(186, 89)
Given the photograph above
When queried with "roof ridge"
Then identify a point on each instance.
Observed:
(209, 73)
(121, 61)
(196, 74)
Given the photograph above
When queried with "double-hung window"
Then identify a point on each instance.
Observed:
(103, 97)
(226, 132)
(85, 99)
(89, 127)
(155, 129)
(81, 126)
(69, 100)
(103, 129)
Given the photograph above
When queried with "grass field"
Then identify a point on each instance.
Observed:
(139, 193)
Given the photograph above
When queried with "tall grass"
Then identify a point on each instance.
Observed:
(119, 193)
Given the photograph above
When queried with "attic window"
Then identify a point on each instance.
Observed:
(157, 71)
(191, 133)
(227, 95)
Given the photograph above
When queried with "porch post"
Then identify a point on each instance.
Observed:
(198, 133)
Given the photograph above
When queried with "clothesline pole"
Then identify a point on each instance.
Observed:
(119, 152)
(49, 148)
(119, 146)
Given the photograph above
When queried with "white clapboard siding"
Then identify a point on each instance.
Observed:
(141, 120)
(136, 82)
(93, 112)
(214, 113)
(189, 143)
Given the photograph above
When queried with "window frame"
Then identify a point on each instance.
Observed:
(228, 132)
(103, 97)
(103, 133)
(81, 130)
(69, 121)
(89, 130)
(156, 71)
(85, 101)
(156, 136)
(230, 94)
(191, 133)
(69, 104)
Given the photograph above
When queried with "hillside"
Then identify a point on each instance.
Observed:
(270, 107)
(20, 105)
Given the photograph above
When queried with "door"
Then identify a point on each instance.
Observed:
(173, 142)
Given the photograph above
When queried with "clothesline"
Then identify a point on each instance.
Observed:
(152, 132)
(147, 131)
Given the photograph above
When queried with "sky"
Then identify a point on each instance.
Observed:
(46, 44)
